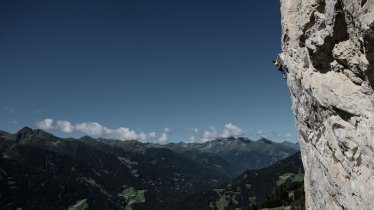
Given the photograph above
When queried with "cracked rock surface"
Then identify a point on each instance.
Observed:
(328, 47)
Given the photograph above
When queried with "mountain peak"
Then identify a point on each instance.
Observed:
(232, 139)
(24, 133)
(264, 140)
(244, 140)
(25, 130)
(288, 142)
(86, 137)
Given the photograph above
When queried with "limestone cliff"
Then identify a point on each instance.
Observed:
(328, 46)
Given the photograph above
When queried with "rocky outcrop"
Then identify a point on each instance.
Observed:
(328, 47)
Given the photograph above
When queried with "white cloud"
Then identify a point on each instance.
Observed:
(97, 130)
(163, 138)
(152, 135)
(167, 130)
(212, 133)
(45, 124)
(275, 135)
(65, 126)
(261, 134)
(232, 130)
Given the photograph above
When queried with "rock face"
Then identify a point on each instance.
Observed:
(328, 46)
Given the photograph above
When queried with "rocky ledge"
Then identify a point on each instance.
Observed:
(328, 47)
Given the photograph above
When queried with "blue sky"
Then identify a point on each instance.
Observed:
(176, 70)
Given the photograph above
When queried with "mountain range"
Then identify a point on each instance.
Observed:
(253, 188)
(231, 156)
(41, 171)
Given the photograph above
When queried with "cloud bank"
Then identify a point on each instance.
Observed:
(212, 133)
(97, 130)
(280, 136)
(196, 136)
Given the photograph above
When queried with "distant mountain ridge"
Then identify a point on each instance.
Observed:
(231, 156)
(249, 189)
(238, 153)
(41, 171)
(60, 172)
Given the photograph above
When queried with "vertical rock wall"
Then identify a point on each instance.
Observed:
(328, 46)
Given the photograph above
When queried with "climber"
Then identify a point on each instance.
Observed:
(279, 65)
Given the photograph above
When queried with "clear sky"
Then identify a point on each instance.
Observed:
(179, 70)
